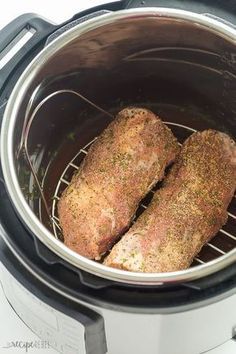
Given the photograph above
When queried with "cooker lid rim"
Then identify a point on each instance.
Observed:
(17, 198)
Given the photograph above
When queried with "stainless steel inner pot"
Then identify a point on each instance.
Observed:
(177, 63)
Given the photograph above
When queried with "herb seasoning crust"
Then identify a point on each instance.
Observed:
(122, 165)
(187, 212)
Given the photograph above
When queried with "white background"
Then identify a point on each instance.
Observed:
(11, 328)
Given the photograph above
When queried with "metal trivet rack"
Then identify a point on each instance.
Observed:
(221, 244)
(73, 166)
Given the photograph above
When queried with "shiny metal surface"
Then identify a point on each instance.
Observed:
(112, 46)
(23, 147)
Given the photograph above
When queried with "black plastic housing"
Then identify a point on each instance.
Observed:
(41, 260)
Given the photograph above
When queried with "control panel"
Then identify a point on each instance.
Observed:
(62, 332)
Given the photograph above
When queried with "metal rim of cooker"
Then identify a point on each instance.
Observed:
(9, 172)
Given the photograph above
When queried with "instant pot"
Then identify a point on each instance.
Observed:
(60, 86)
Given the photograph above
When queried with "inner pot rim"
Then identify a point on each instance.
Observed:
(7, 151)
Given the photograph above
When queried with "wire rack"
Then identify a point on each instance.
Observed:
(222, 243)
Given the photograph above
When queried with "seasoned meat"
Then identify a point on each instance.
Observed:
(121, 166)
(186, 213)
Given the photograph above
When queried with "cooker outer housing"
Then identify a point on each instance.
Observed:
(215, 288)
(44, 252)
(112, 61)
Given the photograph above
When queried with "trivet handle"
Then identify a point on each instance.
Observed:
(22, 39)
